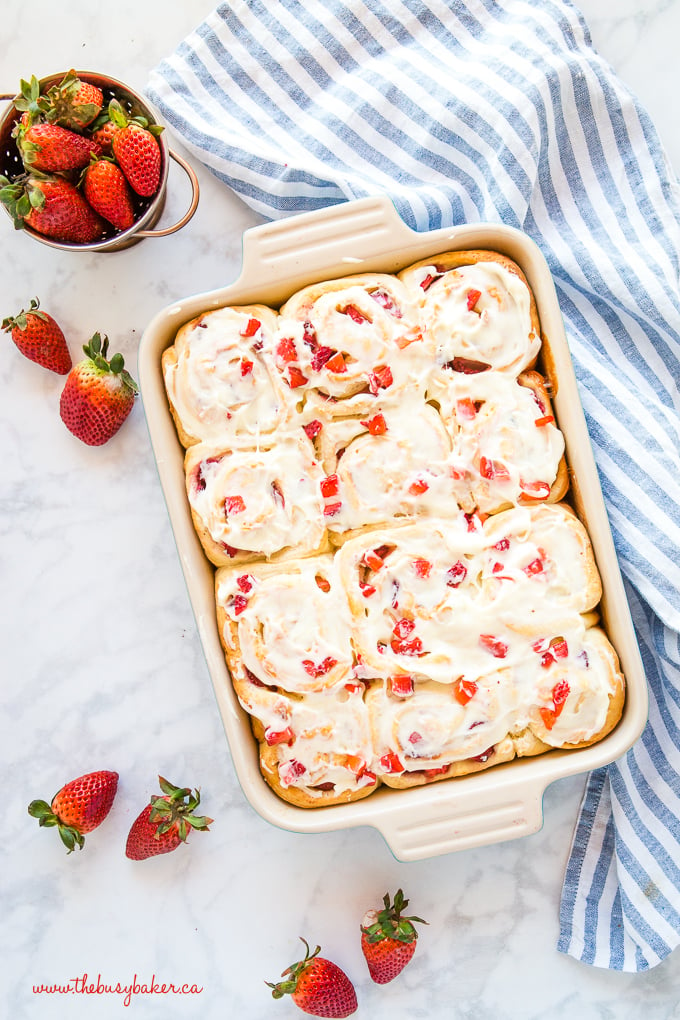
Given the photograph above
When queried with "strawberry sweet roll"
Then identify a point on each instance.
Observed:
(506, 446)
(442, 730)
(391, 466)
(537, 561)
(571, 691)
(476, 312)
(286, 632)
(343, 344)
(220, 385)
(256, 503)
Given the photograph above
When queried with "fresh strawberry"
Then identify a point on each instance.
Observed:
(39, 338)
(318, 986)
(73, 103)
(137, 151)
(98, 394)
(106, 189)
(165, 822)
(388, 940)
(53, 149)
(102, 133)
(52, 206)
(79, 807)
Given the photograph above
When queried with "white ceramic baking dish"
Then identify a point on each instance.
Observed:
(367, 235)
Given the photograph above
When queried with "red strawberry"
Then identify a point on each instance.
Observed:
(98, 394)
(79, 807)
(165, 822)
(137, 151)
(107, 191)
(388, 940)
(73, 103)
(40, 338)
(53, 207)
(103, 131)
(53, 149)
(317, 986)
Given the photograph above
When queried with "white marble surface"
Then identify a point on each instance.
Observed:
(102, 667)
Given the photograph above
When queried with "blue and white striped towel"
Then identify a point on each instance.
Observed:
(500, 110)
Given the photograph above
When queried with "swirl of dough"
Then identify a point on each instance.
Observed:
(355, 337)
(476, 316)
(219, 382)
(289, 625)
(441, 723)
(256, 501)
(506, 444)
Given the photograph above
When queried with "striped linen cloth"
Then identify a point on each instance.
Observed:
(501, 111)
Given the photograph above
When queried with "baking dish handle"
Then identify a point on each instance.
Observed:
(347, 235)
(469, 817)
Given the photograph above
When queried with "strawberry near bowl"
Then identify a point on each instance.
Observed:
(47, 187)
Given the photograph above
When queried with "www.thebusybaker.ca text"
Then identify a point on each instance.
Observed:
(86, 986)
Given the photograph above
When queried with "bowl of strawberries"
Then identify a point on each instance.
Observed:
(84, 163)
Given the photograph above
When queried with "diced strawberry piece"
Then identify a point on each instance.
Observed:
(245, 582)
(239, 603)
(387, 302)
(456, 574)
(323, 583)
(230, 550)
(548, 715)
(473, 297)
(535, 567)
(380, 378)
(367, 589)
(372, 559)
(330, 486)
(484, 756)
(285, 350)
(410, 646)
(493, 469)
(312, 428)
(251, 327)
(497, 568)
(331, 509)
(422, 567)
(403, 628)
(466, 409)
(547, 659)
(246, 367)
(355, 764)
(402, 686)
(433, 773)
(547, 419)
(279, 736)
(321, 356)
(322, 669)
(502, 545)
(464, 690)
(336, 364)
(309, 334)
(415, 737)
(293, 770)
(560, 693)
(355, 314)
(428, 280)
(295, 377)
(395, 594)
(535, 490)
(418, 487)
(498, 648)
(467, 366)
(234, 505)
(474, 522)
(390, 762)
(377, 426)
(560, 648)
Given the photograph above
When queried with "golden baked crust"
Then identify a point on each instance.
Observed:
(402, 592)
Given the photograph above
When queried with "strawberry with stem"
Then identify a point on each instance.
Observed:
(165, 822)
(136, 150)
(78, 807)
(317, 986)
(52, 206)
(388, 939)
(40, 338)
(98, 395)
